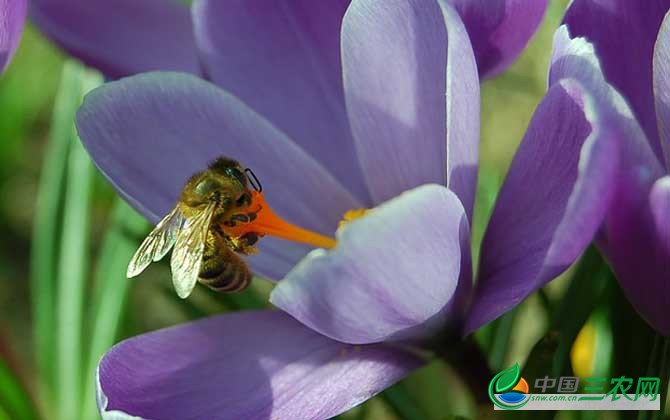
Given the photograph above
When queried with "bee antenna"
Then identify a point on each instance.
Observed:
(253, 180)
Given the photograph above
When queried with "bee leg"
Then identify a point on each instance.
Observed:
(245, 243)
(250, 239)
(240, 217)
(252, 215)
(235, 218)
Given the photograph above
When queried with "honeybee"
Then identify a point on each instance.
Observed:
(202, 227)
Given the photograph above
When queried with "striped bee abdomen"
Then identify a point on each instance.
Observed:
(222, 270)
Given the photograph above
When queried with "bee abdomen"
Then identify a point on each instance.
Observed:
(229, 278)
(221, 269)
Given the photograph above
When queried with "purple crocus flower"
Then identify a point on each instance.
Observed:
(352, 317)
(124, 37)
(632, 41)
(12, 17)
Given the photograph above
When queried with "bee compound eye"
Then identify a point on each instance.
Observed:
(239, 176)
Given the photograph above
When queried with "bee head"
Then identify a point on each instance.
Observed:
(227, 192)
(225, 181)
(235, 178)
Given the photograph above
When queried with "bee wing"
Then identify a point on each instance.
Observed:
(157, 243)
(188, 251)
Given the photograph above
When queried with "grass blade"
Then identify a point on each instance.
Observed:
(501, 340)
(14, 399)
(46, 225)
(111, 287)
(402, 403)
(584, 293)
(72, 281)
(73, 268)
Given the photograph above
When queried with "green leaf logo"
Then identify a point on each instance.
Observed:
(504, 382)
(507, 379)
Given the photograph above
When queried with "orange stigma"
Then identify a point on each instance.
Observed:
(267, 222)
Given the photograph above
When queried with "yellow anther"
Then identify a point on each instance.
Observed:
(352, 215)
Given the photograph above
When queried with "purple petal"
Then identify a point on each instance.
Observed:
(277, 257)
(623, 33)
(400, 59)
(397, 273)
(637, 235)
(552, 202)
(660, 208)
(283, 59)
(12, 17)
(499, 29)
(629, 237)
(575, 58)
(121, 37)
(662, 86)
(149, 133)
(245, 365)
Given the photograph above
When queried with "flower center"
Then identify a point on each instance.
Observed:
(262, 220)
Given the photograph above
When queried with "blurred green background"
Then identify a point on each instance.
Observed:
(67, 238)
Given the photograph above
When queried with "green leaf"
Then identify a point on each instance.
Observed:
(110, 292)
(488, 185)
(664, 375)
(27, 90)
(633, 338)
(72, 274)
(72, 262)
(15, 402)
(402, 403)
(538, 365)
(507, 379)
(45, 238)
(551, 354)
(586, 290)
(427, 386)
(502, 333)
(541, 357)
